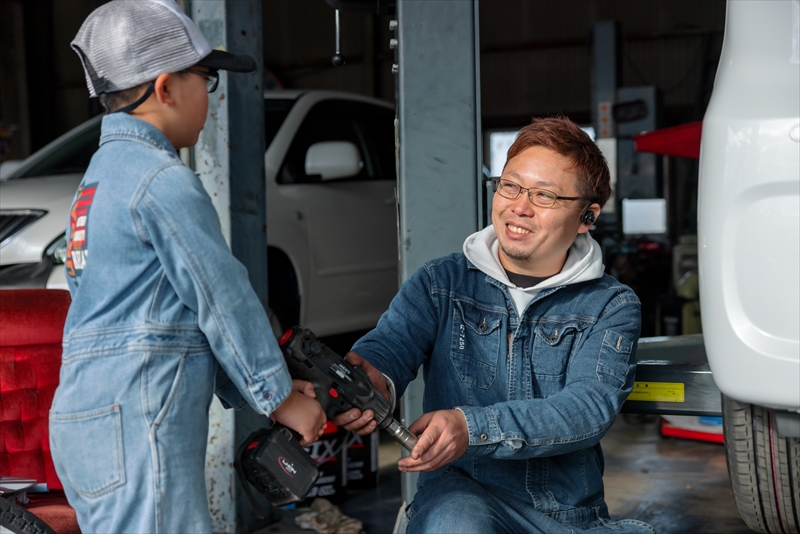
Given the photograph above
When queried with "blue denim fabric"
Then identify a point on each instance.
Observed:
(162, 315)
(454, 503)
(538, 389)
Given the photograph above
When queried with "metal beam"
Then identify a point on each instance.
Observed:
(439, 135)
(229, 157)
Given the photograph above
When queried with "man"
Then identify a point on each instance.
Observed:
(527, 349)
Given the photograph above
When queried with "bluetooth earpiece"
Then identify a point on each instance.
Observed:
(587, 217)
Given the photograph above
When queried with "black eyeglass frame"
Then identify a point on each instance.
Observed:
(496, 182)
(211, 76)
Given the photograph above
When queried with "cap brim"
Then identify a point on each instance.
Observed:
(219, 60)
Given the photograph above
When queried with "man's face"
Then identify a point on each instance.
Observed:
(534, 240)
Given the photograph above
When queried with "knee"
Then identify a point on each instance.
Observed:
(452, 512)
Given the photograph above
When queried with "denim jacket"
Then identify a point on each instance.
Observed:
(149, 270)
(538, 387)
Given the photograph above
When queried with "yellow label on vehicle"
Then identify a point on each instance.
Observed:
(657, 392)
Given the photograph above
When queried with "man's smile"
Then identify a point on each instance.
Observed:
(517, 230)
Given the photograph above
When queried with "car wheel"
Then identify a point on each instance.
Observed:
(764, 468)
(18, 520)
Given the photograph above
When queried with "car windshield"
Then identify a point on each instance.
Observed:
(73, 155)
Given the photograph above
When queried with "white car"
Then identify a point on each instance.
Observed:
(749, 254)
(331, 209)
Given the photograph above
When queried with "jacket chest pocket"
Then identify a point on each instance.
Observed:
(553, 344)
(475, 343)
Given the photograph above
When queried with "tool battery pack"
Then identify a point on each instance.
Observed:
(276, 465)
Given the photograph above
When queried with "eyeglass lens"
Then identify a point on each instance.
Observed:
(211, 81)
(538, 197)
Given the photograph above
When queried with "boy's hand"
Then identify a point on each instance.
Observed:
(302, 413)
(353, 419)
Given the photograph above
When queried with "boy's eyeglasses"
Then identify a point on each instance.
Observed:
(211, 76)
(538, 197)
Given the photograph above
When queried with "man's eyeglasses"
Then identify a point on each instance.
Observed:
(538, 197)
(211, 76)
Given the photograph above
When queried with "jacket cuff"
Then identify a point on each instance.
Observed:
(484, 432)
(269, 392)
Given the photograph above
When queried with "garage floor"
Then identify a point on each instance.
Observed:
(678, 486)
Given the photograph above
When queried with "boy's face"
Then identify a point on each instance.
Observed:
(191, 96)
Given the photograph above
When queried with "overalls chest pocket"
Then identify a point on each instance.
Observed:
(553, 345)
(475, 343)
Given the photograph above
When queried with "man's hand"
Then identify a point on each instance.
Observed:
(302, 413)
(353, 419)
(444, 438)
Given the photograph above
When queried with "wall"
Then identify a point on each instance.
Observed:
(535, 57)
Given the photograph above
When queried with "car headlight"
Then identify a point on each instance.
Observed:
(57, 250)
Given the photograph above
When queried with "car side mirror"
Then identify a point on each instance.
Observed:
(7, 168)
(333, 159)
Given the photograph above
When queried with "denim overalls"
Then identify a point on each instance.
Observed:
(160, 308)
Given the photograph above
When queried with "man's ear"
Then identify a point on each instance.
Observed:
(587, 222)
(163, 85)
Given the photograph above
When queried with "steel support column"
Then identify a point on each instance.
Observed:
(229, 157)
(439, 135)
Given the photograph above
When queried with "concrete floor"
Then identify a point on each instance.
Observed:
(678, 486)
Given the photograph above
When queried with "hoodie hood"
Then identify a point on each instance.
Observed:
(584, 262)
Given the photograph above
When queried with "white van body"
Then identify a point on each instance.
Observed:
(749, 206)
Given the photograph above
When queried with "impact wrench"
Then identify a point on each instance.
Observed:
(338, 384)
(273, 460)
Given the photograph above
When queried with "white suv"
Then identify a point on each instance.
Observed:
(749, 254)
(331, 209)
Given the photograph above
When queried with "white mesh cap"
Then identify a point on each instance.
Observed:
(125, 43)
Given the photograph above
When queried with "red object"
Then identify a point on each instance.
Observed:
(330, 428)
(52, 508)
(286, 337)
(333, 393)
(676, 432)
(31, 329)
(682, 141)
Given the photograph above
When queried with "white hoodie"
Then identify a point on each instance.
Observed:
(584, 262)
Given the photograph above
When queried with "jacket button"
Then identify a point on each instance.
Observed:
(267, 395)
(484, 437)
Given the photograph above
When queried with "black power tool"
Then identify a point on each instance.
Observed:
(272, 460)
(338, 384)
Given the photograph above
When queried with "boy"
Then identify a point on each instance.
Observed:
(160, 306)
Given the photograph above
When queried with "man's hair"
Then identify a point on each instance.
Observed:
(563, 136)
(118, 99)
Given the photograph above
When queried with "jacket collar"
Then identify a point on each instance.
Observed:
(116, 126)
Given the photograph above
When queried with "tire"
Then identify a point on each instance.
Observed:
(764, 469)
(20, 521)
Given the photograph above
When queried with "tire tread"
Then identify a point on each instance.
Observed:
(764, 469)
(19, 520)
